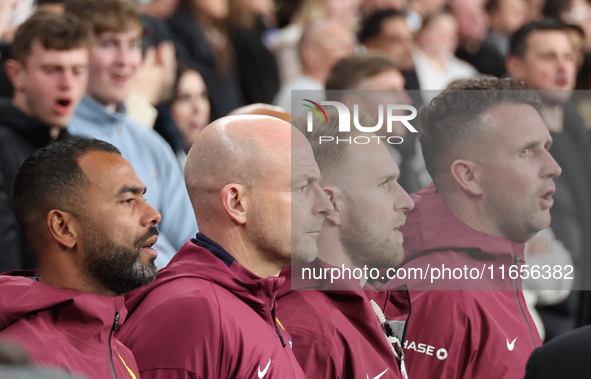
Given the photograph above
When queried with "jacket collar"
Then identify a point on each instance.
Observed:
(204, 259)
(85, 317)
(214, 248)
(94, 112)
(432, 226)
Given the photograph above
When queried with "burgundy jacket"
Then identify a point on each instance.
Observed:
(207, 316)
(335, 331)
(463, 328)
(65, 329)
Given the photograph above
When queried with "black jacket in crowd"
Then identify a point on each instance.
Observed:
(566, 356)
(20, 136)
(257, 68)
(571, 220)
(225, 93)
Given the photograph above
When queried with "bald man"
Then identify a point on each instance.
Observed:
(253, 183)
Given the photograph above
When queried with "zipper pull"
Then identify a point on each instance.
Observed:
(116, 322)
(113, 329)
(280, 336)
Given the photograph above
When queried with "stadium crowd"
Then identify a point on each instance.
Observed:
(161, 188)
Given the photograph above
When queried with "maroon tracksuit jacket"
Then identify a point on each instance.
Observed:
(65, 329)
(206, 316)
(335, 331)
(463, 328)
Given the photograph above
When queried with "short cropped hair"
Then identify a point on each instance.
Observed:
(518, 45)
(51, 178)
(372, 25)
(330, 156)
(106, 15)
(54, 31)
(350, 71)
(448, 123)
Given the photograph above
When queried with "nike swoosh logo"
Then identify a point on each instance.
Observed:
(511, 345)
(379, 375)
(264, 372)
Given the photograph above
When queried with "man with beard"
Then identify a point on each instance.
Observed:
(335, 326)
(211, 312)
(486, 148)
(81, 207)
(542, 56)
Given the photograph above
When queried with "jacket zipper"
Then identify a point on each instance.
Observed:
(515, 260)
(113, 329)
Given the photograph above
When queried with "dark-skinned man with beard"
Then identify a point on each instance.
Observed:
(81, 207)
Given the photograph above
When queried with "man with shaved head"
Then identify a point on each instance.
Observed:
(253, 183)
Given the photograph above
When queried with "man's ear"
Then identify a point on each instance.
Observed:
(514, 66)
(335, 195)
(63, 228)
(234, 202)
(467, 176)
(16, 73)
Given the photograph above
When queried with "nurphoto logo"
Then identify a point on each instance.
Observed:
(392, 115)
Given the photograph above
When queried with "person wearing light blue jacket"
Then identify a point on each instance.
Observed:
(115, 57)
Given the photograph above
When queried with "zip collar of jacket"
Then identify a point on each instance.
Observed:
(85, 317)
(97, 114)
(214, 248)
(204, 259)
(32, 129)
(432, 226)
(349, 292)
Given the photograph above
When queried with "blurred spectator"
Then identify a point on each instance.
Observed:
(284, 43)
(472, 31)
(198, 27)
(154, 80)
(6, 9)
(506, 16)
(321, 46)
(419, 10)
(368, 7)
(576, 12)
(153, 83)
(583, 98)
(557, 8)
(257, 69)
(576, 35)
(435, 62)
(49, 72)
(388, 31)
(544, 249)
(156, 30)
(18, 12)
(188, 112)
(114, 58)
(378, 76)
(534, 10)
(11, 14)
(159, 9)
(54, 6)
(542, 56)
